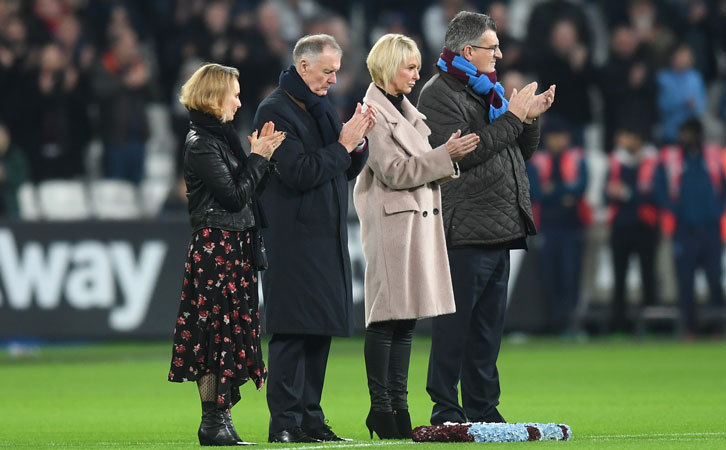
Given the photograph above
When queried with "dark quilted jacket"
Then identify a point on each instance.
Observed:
(489, 203)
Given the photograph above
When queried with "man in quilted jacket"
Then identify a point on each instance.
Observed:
(486, 212)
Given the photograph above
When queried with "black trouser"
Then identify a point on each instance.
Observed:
(560, 254)
(465, 344)
(296, 372)
(640, 240)
(387, 353)
(697, 246)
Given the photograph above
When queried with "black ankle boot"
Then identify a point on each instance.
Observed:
(383, 423)
(403, 423)
(217, 428)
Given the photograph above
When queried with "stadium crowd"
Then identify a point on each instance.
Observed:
(90, 92)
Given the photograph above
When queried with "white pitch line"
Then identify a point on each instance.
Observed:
(350, 445)
(659, 436)
(275, 446)
(653, 435)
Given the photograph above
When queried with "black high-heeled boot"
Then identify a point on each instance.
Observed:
(217, 428)
(383, 423)
(403, 423)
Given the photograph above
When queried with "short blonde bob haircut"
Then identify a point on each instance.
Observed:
(388, 54)
(207, 88)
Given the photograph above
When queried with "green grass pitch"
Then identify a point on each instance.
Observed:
(613, 393)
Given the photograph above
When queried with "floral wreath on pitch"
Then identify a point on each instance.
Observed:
(492, 432)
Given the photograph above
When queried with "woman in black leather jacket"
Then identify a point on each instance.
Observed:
(217, 334)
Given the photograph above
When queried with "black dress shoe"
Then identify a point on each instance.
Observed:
(292, 435)
(325, 433)
(494, 417)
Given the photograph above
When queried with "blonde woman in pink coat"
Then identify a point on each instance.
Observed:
(398, 200)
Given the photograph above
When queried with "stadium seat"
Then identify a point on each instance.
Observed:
(659, 313)
(153, 195)
(63, 200)
(28, 202)
(114, 199)
(158, 165)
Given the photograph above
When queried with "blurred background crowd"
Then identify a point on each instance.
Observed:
(90, 87)
(90, 124)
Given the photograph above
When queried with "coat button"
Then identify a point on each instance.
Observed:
(425, 213)
(436, 211)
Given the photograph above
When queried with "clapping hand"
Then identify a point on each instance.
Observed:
(541, 103)
(458, 146)
(522, 101)
(357, 127)
(267, 141)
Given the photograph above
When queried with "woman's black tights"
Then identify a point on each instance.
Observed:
(387, 354)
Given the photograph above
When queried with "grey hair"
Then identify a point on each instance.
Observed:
(311, 46)
(465, 29)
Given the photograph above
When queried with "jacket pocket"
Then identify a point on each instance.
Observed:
(399, 204)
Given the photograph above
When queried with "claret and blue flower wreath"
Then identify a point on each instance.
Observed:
(492, 432)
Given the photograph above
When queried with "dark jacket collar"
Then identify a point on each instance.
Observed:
(457, 85)
(454, 83)
(206, 121)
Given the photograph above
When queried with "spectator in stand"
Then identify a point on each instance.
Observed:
(691, 190)
(122, 87)
(512, 80)
(632, 215)
(13, 172)
(558, 180)
(436, 18)
(352, 79)
(254, 54)
(77, 50)
(689, 19)
(292, 16)
(643, 17)
(214, 34)
(14, 61)
(627, 83)
(542, 19)
(566, 63)
(55, 107)
(681, 93)
(179, 114)
(511, 46)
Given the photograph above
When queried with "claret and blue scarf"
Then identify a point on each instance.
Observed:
(484, 84)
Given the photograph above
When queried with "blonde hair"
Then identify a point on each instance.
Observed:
(206, 89)
(388, 54)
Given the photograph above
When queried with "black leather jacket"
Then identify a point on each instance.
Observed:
(220, 187)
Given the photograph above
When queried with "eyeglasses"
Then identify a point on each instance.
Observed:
(493, 48)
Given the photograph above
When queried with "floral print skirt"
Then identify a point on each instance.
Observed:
(218, 326)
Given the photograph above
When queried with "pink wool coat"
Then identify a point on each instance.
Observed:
(398, 200)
